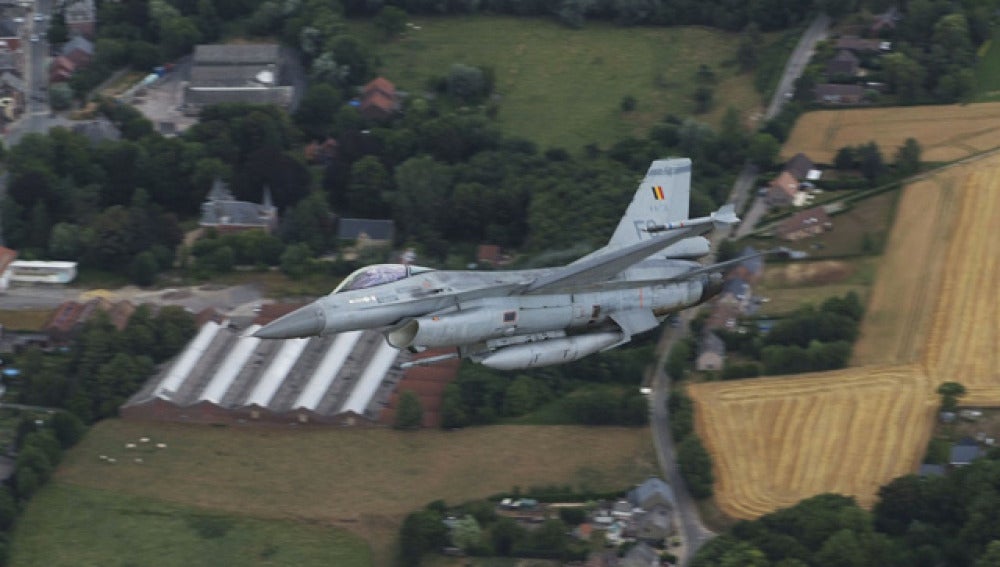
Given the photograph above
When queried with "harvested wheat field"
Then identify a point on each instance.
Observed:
(775, 441)
(965, 337)
(945, 133)
(932, 317)
(908, 282)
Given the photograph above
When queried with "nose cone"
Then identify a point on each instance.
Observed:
(308, 321)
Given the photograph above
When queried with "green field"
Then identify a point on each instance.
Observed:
(988, 71)
(24, 319)
(561, 87)
(362, 480)
(76, 527)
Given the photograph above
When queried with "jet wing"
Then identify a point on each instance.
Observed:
(594, 269)
(630, 284)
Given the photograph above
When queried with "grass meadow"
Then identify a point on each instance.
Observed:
(362, 480)
(74, 526)
(561, 87)
(988, 72)
(24, 319)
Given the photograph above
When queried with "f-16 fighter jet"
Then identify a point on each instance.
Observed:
(528, 318)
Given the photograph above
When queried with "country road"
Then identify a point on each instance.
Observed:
(693, 531)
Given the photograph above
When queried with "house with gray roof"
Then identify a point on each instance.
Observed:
(711, 353)
(79, 50)
(653, 526)
(652, 493)
(928, 469)
(97, 131)
(800, 166)
(251, 73)
(964, 452)
(81, 17)
(222, 212)
(844, 64)
(642, 555)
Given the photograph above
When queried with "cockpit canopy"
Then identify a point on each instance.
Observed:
(378, 274)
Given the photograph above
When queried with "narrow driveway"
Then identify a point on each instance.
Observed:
(797, 63)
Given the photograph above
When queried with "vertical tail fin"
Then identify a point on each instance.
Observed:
(662, 197)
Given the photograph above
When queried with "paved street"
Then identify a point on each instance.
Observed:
(694, 532)
(797, 63)
(234, 300)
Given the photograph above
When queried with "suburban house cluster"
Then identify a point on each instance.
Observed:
(646, 518)
(965, 450)
(734, 302)
(845, 72)
(796, 187)
(17, 37)
(224, 213)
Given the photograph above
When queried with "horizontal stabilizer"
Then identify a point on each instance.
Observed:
(592, 269)
(726, 215)
(630, 284)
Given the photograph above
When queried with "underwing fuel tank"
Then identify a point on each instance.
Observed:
(551, 351)
(454, 328)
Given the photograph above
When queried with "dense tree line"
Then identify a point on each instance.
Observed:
(808, 340)
(934, 50)
(933, 55)
(725, 14)
(117, 205)
(70, 199)
(478, 530)
(917, 521)
(693, 460)
(105, 366)
(39, 449)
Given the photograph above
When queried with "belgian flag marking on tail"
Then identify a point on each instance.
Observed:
(658, 192)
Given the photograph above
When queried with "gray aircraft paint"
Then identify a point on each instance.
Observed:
(527, 318)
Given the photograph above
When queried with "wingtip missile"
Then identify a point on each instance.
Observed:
(725, 216)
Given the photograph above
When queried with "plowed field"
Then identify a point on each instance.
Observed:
(945, 132)
(932, 317)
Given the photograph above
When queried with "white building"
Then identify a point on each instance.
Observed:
(35, 271)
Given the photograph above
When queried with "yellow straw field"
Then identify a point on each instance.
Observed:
(932, 317)
(945, 133)
(775, 441)
(965, 337)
